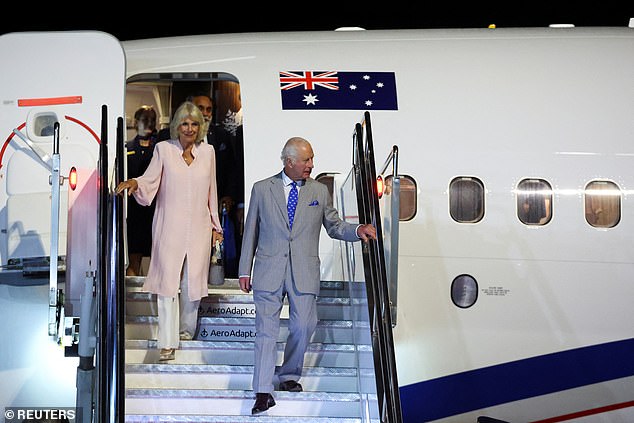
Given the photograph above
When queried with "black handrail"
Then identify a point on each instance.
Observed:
(392, 217)
(110, 386)
(376, 277)
(102, 384)
(119, 269)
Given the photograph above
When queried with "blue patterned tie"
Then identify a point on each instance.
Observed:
(292, 204)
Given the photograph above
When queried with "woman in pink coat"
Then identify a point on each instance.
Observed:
(181, 175)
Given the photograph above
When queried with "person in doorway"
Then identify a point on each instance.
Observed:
(228, 177)
(139, 218)
(229, 180)
(182, 178)
(283, 224)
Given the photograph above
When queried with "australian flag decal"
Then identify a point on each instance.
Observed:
(333, 90)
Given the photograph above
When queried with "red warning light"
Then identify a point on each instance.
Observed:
(379, 186)
(72, 178)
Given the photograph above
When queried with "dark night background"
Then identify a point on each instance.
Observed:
(144, 20)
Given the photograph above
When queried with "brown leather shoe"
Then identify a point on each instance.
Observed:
(290, 386)
(263, 402)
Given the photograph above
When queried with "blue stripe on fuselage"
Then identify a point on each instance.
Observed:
(517, 380)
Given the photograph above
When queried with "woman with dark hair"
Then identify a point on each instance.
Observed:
(139, 218)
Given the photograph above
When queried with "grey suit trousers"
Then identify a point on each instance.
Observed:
(302, 324)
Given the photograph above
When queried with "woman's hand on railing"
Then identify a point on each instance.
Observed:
(131, 185)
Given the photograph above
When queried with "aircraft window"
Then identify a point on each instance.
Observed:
(602, 204)
(43, 124)
(407, 202)
(466, 199)
(534, 201)
(327, 179)
(464, 291)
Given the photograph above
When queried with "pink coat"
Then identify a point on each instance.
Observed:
(186, 212)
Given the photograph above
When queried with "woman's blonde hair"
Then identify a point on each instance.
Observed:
(184, 111)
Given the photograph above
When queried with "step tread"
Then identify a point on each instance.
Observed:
(237, 298)
(228, 368)
(239, 403)
(158, 418)
(250, 321)
(167, 393)
(150, 344)
(232, 286)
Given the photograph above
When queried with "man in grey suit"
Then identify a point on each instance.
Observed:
(281, 245)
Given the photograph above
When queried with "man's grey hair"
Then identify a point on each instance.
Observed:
(290, 149)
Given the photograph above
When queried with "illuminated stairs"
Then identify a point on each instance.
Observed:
(210, 379)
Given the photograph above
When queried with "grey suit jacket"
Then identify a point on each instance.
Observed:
(268, 244)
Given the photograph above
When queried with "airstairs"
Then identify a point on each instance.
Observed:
(210, 379)
(349, 374)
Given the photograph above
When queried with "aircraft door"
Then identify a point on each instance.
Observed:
(47, 78)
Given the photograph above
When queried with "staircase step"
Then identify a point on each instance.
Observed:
(242, 353)
(341, 289)
(243, 329)
(212, 376)
(241, 305)
(155, 418)
(203, 402)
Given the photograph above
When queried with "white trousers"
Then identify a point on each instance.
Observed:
(176, 315)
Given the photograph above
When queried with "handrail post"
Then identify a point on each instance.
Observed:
(55, 200)
(376, 279)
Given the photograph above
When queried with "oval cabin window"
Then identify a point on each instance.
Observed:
(464, 291)
(602, 204)
(466, 199)
(534, 201)
(407, 199)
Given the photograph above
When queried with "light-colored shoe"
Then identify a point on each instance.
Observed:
(167, 354)
(186, 336)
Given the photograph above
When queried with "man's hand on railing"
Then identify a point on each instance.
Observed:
(366, 232)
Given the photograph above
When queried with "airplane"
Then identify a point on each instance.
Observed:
(512, 287)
